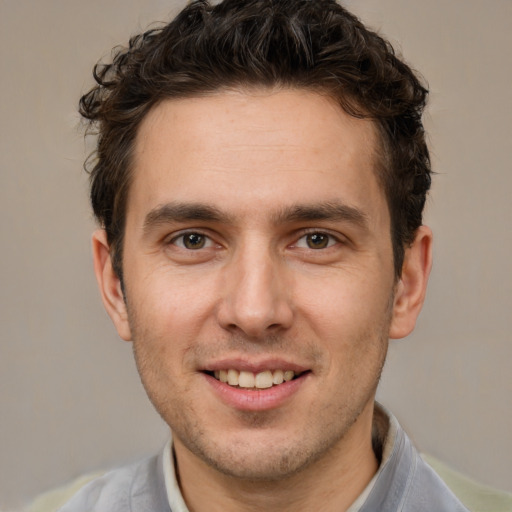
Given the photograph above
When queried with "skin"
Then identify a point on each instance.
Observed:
(268, 169)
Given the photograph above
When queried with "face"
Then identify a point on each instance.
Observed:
(258, 251)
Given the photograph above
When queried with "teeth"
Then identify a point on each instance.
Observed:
(288, 375)
(233, 377)
(246, 380)
(262, 380)
(278, 377)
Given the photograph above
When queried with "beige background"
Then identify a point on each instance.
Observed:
(70, 399)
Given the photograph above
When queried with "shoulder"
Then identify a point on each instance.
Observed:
(133, 488)
(410, 482)
(475, 496)
(52, 500)
(427, 491)
(107, 492)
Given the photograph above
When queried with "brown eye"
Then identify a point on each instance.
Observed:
(317, 240)
(191, 241)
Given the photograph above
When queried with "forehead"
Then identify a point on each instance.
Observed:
(267, 148)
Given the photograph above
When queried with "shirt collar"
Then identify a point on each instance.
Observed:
(384, 430)
(174, 496)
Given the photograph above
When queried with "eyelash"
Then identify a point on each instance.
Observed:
(331, 240)
(208, 242)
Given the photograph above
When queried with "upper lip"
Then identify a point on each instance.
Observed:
(243, 364)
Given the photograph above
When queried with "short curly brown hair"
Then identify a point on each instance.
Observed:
(307, 44)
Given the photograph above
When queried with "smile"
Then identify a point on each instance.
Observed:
(256, 387)
(249, 380)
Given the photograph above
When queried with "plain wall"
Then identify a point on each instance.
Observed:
(70, 398)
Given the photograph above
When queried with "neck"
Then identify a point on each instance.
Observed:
(335, 480)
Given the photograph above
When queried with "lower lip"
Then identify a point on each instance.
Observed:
(256, 400)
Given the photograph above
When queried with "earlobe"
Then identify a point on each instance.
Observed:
(412, 285)
(109, 284)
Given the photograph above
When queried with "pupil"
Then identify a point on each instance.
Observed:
(317, 241)
(194, 241)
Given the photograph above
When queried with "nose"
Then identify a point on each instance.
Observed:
(255, 295)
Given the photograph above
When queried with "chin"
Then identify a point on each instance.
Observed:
(257, 459)
(261, 466)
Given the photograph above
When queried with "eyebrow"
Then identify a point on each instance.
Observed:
(184, 212)
(333, 211)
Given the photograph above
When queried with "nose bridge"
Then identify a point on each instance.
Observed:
(255, 298)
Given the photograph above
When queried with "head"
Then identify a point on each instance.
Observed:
(260, 176)
(316, 46)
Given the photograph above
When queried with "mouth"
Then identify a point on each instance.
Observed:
(256, 381)
(256, 386)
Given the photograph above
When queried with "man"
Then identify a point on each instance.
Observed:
(260, 178)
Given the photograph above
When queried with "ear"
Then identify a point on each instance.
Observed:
(109, 284)
(412, 285)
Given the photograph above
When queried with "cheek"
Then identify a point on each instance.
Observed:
(350, 318)
(170, 296)
(168, 313)
(344, 301)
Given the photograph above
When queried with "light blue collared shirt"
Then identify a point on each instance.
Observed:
(403, 483)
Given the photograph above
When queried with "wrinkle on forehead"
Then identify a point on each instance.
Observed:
(258, 144)
(251, 100)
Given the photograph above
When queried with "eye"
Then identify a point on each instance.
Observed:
(192, 241)
(317, 240)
